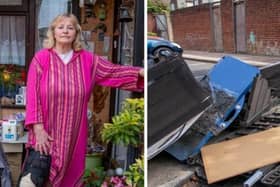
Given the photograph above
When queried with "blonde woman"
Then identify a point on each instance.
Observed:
(60, 81)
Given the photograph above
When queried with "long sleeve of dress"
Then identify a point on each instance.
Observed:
(118, 76)
(33, 105)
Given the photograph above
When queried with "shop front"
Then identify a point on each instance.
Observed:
(111, 29)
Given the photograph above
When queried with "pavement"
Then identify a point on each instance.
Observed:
(213, 57)
(166, 171)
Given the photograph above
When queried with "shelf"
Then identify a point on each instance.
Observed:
(22, 139)
(12, 106)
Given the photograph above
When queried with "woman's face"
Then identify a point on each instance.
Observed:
(64, 32)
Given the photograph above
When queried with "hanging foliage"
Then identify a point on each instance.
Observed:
(157, 7)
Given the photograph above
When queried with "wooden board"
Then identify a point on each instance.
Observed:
(15, 162)
(240, 155)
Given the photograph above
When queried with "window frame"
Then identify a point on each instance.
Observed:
(27, 9)
(15, 8)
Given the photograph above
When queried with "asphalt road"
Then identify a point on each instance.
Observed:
(199, 68)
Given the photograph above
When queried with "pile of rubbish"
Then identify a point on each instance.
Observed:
(234, 136)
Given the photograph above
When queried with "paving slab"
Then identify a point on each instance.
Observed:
(165, 171)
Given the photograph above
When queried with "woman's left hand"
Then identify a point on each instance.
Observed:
(141, 72)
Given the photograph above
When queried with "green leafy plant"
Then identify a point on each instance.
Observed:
(157, 7)
(126, 127)
(94, 177)
(135, 174)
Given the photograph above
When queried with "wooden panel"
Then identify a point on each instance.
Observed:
(12, 147)
(240, 155)
(259, 100)
(217, 28)
(240, 27)
(14, 161)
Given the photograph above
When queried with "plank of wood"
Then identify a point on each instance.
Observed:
(240, 155)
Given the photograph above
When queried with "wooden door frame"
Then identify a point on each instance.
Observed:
(234, 3)
(214, 43)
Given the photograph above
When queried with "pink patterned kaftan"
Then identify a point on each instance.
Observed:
(57, 97)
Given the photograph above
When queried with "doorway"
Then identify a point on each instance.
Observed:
(239, 26)
(217, 27)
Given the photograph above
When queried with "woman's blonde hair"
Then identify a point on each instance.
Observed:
(49, 42)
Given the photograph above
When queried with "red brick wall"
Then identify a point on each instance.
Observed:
(192, 28)
(151, 23)
(263, 20)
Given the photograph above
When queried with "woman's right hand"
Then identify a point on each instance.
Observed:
(43, 140)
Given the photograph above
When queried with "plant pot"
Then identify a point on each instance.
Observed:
(93, 160)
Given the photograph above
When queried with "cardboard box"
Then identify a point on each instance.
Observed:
(12, 130)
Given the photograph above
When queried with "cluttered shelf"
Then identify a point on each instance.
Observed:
(14, 146)
(14, 153)
(22, 139)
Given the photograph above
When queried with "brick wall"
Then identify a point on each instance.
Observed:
(192, 28)
(263, 24)
(151, 23)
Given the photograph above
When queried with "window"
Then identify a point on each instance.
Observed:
(47, 10)
(15, 46)
(12, 54)
(26, 23)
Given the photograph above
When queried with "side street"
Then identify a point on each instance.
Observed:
(232, 50)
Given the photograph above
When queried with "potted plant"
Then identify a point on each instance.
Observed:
(126, 127)
(94, 156)
(94, 172)
(135, 174)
